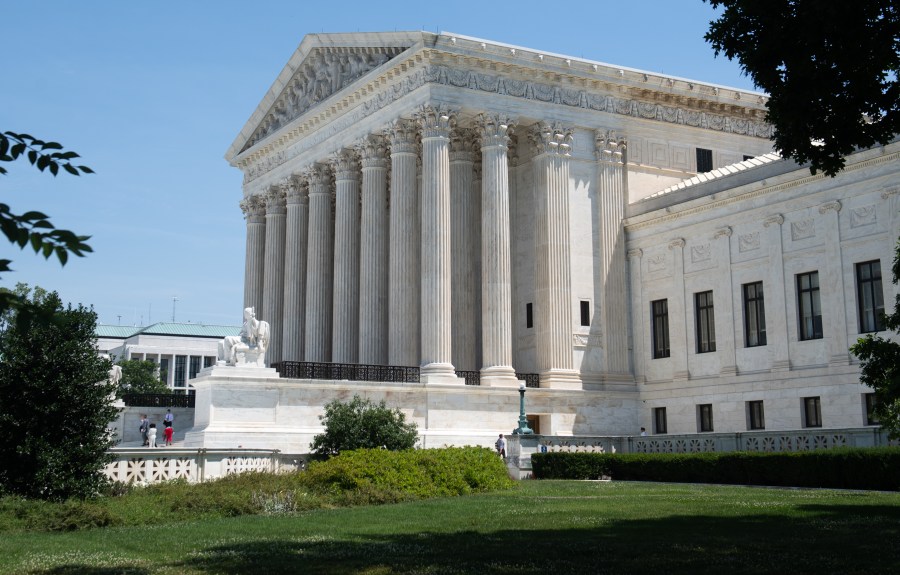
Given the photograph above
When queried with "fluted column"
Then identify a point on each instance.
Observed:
(404, 246)
(437, 360)
(553, 277)
(345, 340)
(496, 288)
(373, 259)
(463, 208)
(254, 209)
(775, 288)
(612, 197)
(725, 337)
(319, 266)
(296, 238)
(273, 284)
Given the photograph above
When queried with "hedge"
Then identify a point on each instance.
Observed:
(845, 468)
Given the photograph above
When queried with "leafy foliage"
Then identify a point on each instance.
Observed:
(879, 360)
(34, 228)
(54, 401)
(139, 376)
(361, 424)
(830, 68)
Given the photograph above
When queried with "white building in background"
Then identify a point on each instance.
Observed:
(460, 205)
(180, 350)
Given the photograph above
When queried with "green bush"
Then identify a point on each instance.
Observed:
(361, 424)
(849, 468)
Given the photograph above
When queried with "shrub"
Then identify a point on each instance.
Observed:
(361, 424)
(849, 468)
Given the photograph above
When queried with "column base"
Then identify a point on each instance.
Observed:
(499, 376)
(439, 373)
(560, 379)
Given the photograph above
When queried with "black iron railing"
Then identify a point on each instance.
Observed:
(158, 400)
(531, 379)
(471, 377)
(353, 372)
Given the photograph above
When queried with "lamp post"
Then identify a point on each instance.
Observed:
(523, 428)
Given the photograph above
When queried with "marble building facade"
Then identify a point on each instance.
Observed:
(454, 204)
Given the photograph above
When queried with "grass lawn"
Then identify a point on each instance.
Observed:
(554, 527)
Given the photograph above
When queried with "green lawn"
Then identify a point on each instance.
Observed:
(541, 527)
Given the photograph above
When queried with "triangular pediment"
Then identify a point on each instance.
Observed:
(322, 65)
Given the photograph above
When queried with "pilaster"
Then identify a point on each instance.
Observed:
(373, 259)
(319, 266)
(296, 240)
(637, 309)
(437, 361)
(273, 283)
(553, 283)
(725, 345)
(678, 310)
(777, 334)
(833, 304)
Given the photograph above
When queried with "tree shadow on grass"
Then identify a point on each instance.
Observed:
(820, 539)
(87, 570)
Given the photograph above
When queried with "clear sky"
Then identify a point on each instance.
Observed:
(151, 94)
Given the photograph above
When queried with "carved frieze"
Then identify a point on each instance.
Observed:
(587, 340)
(863, 216)
(700, 253)
(657, 263)
(803, 229)
(748, 242)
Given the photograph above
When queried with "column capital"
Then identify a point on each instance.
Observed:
(436, 121)
(551, 138)
(254, 209)
(722, 232)
(297, 190)
(373, 152)
(609, 146)
(403, 136)
(346, 165)
(274, 199)
(835, 205)
(890, 191)
(494, 130)
(776, 219)
(318, 176)
(636, 253)
(462, 145)
(676, 243)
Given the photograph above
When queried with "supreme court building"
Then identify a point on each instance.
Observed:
(478, 210)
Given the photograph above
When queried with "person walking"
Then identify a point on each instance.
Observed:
(144, 428)
(167, 433)
(501, 446)
(169, 418)
(151, 435)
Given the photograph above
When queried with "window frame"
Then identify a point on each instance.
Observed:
(869, 406)
(704, 158)
(705, 418)
(659, 329)
(754, 314)
(870, 320)
(809, 299)
(812, 412)
(660, 421)
(584, 308)
(756, 415)
(529, 315)
(705, 321)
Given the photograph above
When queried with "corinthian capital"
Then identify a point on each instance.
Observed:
(436, 121)
(494, 130)
(462, 145)
(254, 208)
(319, 178)
(346, 165)
(609, 146)
(274, 198)
(552, 138)
(297, 190)
(373, 152)
(403, 136)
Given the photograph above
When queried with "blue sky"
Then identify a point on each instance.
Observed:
(151, 94)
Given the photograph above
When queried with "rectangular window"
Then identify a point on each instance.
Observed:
(529, 316)
(706, 322)
(164, 370)
(704, 160)
(660, 328)
(756, 417)
(754, 315)
(180, 364)
(209, 361)
(585, 313)
(812, 412)
(870, 296)
(810, 309)
(194, 366)
(870, 409)
(705, 417)
(659, 420)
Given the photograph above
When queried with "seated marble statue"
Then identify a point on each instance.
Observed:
(249, 348)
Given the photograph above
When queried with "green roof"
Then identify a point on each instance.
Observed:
(168, 328)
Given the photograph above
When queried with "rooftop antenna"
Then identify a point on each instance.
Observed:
(120, 320)
(174, 299)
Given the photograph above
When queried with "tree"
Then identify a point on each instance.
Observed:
(54, 400)
(34, 228)
(139, 376)
(880, 363)
(361, 424)
(830, 68)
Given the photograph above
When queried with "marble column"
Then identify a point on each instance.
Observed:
(678, 306)
(373, 259)
(496, 285)
(404, 246)
(254, 209)
(612, 196)
(297, 225)
(273, 283)
(725, 337)
(553, 275)
(463, 208)
(833, 304)
(345, 323)
(774, 288)
(437, 360)
(319, 266)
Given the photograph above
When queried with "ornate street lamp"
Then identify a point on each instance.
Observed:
(523, 428)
